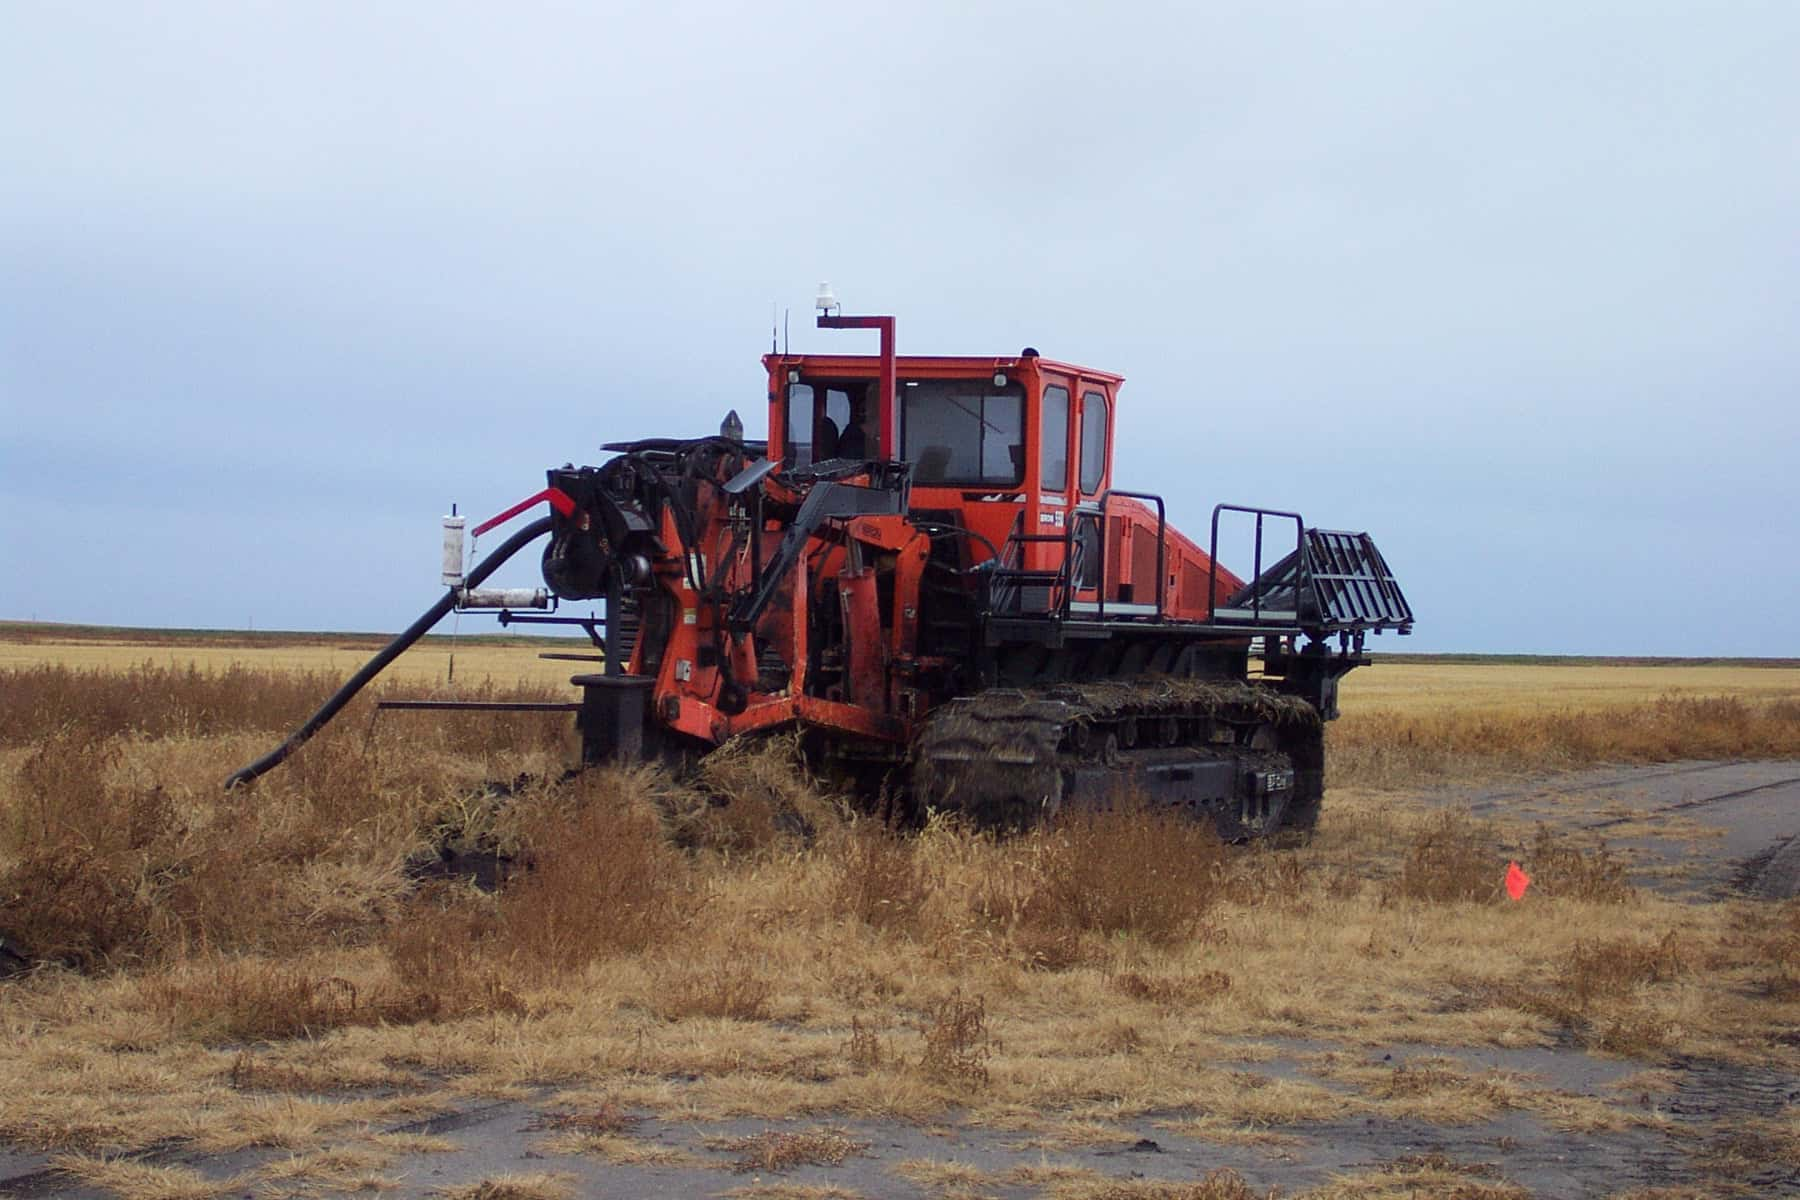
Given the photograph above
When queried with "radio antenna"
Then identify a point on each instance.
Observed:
(784, 331)
(771, 327)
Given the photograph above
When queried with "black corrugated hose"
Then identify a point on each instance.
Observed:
(389, 653)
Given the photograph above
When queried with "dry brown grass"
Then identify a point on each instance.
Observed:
(1435, 1175)
(228, 999)
(783, 1150)
(958, 1043)
(792, 1191)
(143, 1180)
(738, 947)
(881, 881)
(172, 700)
(1394, 749)
(1174, 990)
(1219, 1184)
(619, 1150)
(337, 1171)
(536, 1185)
(1564, 869)
(1616, 967)
(1137, 868)
(118, 847)
(478, 658)
(947, 1178)
(756, 794)
(1452, 858)
(607, 1118)
(601, 878)
(723, 987)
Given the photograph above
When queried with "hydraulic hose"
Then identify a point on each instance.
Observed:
(388, 654)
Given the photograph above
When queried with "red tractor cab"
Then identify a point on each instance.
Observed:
(1017, 452)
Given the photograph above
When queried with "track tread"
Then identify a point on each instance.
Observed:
(997, 756)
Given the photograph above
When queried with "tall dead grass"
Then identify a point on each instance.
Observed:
(746, 896)
(755, 793)
(1454, 858)
(153, 700)
(118, 847)
(600, 876)
(1135, 868)
(880, 879)
(1388, 749)
(672, 958)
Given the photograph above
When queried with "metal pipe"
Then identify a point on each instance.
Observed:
(480, 705)
(469, 597)
(889, 434)
(388, 654)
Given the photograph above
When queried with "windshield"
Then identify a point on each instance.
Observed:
(963, 431)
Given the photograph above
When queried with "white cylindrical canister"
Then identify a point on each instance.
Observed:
(453, 551)
(503, 598)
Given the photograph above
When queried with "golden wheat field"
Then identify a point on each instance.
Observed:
(1404, 687)
(427, 663)
(285, 979)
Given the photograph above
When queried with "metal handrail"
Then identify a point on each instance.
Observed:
(1162, 533)
(1062, 579)
(1301, 576)
(1057, 580)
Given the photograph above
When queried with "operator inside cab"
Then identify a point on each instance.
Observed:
(829, 420)
(952, 431)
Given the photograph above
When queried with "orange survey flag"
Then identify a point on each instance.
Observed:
(1516, 881)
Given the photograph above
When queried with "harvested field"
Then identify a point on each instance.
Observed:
(1410, 723)
(496, 660)
(732, 985)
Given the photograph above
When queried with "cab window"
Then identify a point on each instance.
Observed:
(828, 419)
(799, 426)
(963, 431)
(1093, 441)
(1053, 451)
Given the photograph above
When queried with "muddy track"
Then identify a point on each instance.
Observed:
(1724, 1097)
(1752, 808)
(1699, 802)
(1581, 785)
(1005, 756)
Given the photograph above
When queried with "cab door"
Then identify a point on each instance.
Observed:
(1090, 421)
(1053, 485)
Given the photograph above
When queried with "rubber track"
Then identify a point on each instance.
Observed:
(979, 752)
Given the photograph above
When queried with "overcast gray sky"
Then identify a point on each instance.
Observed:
(1515, 287)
